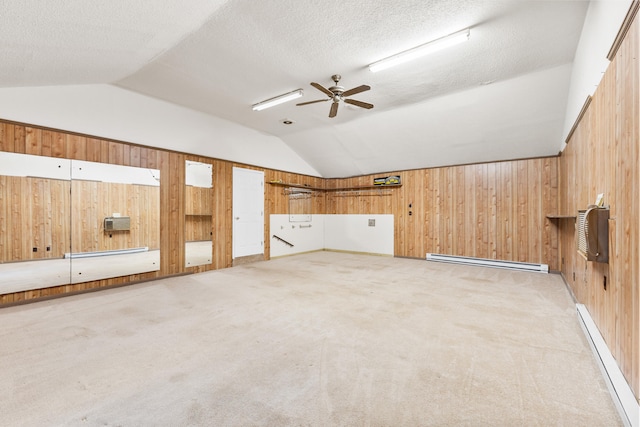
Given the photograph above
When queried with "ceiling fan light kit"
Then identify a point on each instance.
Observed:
(337, 93)
(271, 102)
(421, 50)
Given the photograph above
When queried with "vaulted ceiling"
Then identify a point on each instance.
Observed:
(501, 95)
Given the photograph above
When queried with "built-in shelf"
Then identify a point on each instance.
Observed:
(306, 187)
(554, 216)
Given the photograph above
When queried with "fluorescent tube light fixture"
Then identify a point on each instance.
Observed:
(423, 49)
(267, 103)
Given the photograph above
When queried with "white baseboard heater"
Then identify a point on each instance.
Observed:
(511, 265)
(621, 392)
(106, 253)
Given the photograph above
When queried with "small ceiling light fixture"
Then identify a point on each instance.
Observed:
(267, 103)
(423, 49)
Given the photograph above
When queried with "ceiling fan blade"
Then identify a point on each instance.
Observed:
(322, 89)
(312, 102)
(356, 90)
(334, 109)
(359, 103)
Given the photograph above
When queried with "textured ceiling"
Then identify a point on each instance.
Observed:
(502, 95)
(57, 42)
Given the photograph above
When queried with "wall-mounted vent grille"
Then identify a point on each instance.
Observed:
(118, 223)
(592, 234)
(581, 236)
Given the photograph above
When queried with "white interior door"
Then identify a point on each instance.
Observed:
(248, 212)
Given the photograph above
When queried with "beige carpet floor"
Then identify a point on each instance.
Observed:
(319, 339)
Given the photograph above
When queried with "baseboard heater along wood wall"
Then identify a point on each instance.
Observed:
(106, 253)
(621, 392)
(511, 265)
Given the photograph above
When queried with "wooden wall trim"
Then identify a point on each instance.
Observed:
(395, 172)
(624, 28)
(581, 114)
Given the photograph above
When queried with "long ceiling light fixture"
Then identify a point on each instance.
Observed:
(423, 49)
(267, 103)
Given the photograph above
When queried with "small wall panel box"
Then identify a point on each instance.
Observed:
(120, 223)
(592, 234)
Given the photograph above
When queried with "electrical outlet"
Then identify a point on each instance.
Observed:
(372, 223)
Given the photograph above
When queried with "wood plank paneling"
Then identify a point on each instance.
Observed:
(602, 156)
(198, 228)
(76, 147)
(96, 200)
(34, 221)
(198, 200)
(32, 200)
(491, 210)
(32, 141)
(19, 140)
(468, 210)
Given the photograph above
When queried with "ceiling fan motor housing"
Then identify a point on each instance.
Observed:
(337, 92)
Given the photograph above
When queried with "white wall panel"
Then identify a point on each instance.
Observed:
(332, 232)
(600, 28)
(304, 236)
(353, 233)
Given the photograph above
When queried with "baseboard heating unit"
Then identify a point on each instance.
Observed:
(621, 392)
(105, 253)
(511, 265)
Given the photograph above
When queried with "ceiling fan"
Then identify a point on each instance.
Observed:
(337, 93)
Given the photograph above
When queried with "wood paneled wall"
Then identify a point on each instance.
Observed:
(199, 212)
(198, 200)
(490, 210)
(493, 210)
(198, 228)
(34, 215)
(92, 201)
(602, 156)
(277, 201)
(18, 138)
(36, 220)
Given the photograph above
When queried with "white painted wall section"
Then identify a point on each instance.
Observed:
(111, 112)
(304, 236)
(600, 28)
(352, 233)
